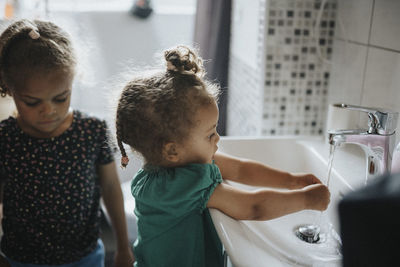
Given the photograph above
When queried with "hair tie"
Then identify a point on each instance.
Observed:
(34, 34)
(124, 161)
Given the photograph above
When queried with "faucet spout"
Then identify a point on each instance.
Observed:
(377, 142)
(338, 137)
(378, 148)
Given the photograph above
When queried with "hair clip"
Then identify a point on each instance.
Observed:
(124, 161)
(34, 34)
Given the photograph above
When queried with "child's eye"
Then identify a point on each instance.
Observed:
(31, 104)
(61, 100)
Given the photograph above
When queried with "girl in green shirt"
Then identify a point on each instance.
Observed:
(170, 118)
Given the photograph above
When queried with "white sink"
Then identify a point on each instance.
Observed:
(273, 243)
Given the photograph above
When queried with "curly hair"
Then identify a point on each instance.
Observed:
(160, 108)
(32, 47)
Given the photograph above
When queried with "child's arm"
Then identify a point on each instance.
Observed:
(267, 204)
(113, 200)
(255, 173)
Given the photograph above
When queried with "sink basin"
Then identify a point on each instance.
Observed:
(273, 242)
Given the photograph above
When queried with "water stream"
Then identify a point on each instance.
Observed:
(328, 179)
(330, 162)
(322, 232)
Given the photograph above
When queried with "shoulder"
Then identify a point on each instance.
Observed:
(87, 119)
(197, 170)
(9, 136)
(8, 122)
(187, 178)
(90, 124)
(7, 126)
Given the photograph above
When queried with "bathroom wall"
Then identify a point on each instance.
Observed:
(7, 107)
(278, 72)
(285, 72)
(245, 78)
(366, 55)
(112, 44)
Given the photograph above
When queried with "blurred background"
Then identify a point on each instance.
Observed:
(280, 63)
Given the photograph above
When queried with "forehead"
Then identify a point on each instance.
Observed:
(42, 85)
(207, 116)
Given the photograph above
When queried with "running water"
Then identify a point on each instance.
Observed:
(320, 223)
(322, 232)
(330, 161)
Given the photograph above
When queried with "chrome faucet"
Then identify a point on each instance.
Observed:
(378, 141)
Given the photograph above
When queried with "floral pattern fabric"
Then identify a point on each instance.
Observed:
(52, 191)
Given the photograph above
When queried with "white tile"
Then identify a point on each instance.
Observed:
(348, 63)
(382, 81)
(353, 20)
(385, 31)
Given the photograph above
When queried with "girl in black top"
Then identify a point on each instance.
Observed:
(56, 163)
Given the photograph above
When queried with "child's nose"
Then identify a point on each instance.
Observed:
(47, 109)
(217, 139)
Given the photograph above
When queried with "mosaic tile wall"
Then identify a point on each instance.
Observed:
(294, 72)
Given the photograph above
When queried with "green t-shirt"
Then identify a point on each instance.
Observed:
(174, 225)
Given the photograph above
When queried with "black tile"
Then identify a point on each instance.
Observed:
(271, 31)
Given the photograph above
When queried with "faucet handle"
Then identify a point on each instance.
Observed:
(380, 121)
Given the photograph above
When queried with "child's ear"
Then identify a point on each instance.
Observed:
(170, 152)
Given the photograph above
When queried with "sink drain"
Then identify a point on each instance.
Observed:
(308, 233)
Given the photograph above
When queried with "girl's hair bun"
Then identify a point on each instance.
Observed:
(184, 60)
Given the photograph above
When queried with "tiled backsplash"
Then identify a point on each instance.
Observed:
(360, 64)
(290, 82)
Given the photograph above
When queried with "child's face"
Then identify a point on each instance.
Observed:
(43, 103)
(202, 143)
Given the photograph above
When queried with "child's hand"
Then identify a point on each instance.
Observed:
(302, 180)
(317, 197)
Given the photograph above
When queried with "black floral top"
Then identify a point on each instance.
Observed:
(52, 191)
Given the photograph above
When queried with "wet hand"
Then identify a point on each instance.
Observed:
(317, 197)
